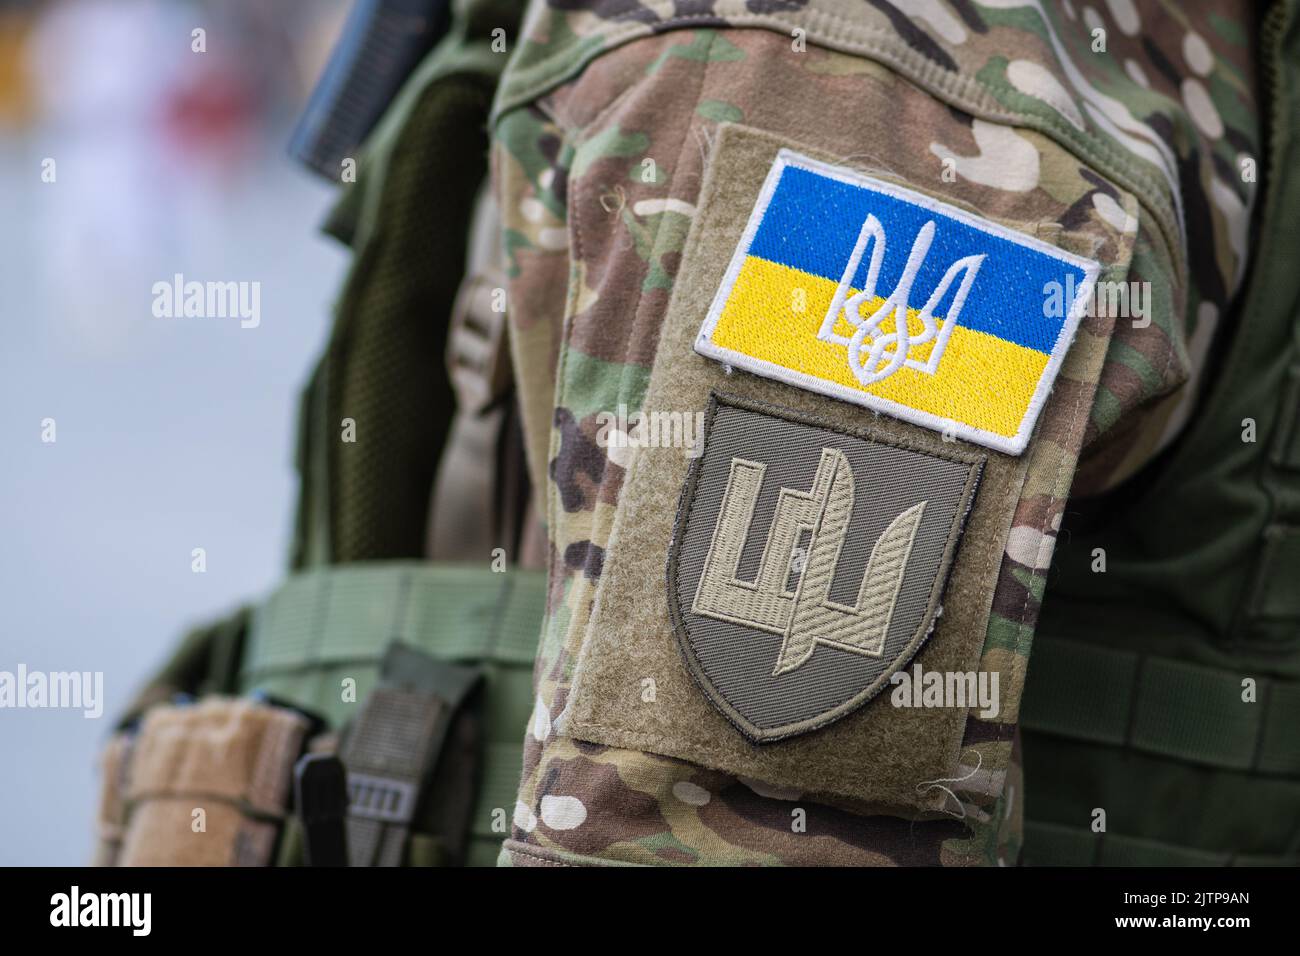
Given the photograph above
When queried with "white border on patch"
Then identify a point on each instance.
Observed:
(1014, 445)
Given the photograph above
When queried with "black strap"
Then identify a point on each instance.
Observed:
(320, 790)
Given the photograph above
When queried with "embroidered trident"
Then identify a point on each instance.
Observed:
(876, 353)
(804, 615)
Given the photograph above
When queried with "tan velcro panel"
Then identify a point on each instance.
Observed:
(209, 784)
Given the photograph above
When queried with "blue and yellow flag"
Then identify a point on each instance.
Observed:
(874, 294)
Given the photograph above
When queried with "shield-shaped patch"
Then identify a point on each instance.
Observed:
(808, 563)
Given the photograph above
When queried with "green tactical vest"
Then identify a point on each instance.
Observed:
(1162, 702)
(1169, 723)
(360, 581)
(318, 643)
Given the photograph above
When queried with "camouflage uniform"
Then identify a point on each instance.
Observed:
(603, 129)
(623, 141)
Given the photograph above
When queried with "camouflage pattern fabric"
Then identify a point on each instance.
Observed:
(603, 126)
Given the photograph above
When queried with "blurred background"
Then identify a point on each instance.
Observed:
(171, 433)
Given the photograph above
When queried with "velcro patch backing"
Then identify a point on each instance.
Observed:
(884, 297)
(808, 563)
(632, 686)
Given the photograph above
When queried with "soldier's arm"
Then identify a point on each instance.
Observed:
(733, 667)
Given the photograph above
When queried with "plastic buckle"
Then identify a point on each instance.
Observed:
(478, 353)
(381, 798)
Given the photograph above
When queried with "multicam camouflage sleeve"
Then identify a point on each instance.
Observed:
(823, 314)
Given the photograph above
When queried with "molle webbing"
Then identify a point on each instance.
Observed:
(1050, 844)
(320, 640)
(1272, 611)
(1187, 768)
(1163, 707)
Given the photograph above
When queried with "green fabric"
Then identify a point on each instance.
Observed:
(465, 53)
(407, 219)
(1163, 707)
(1202, 560)
(1147, 796)
(205, 662)
(384, 369)
(1056, 845)
(326, 626)
(1183, 544)
(1286, 449)
(1276, 595)
(311, 540)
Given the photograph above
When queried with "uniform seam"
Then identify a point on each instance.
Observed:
(577, 187)
(525, 849)
(865, 41)
(1054, 497)
(974, 464)
(1047, 520)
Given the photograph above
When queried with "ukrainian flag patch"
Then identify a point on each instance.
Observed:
(877, 295)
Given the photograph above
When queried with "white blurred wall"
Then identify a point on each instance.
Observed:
(172, 434)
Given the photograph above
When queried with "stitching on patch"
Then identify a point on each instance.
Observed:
(772, 359)
(806, 616)
(975, 463)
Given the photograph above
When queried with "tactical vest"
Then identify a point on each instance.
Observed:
(1176, 599)
(1198, 557)
(414, 537)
